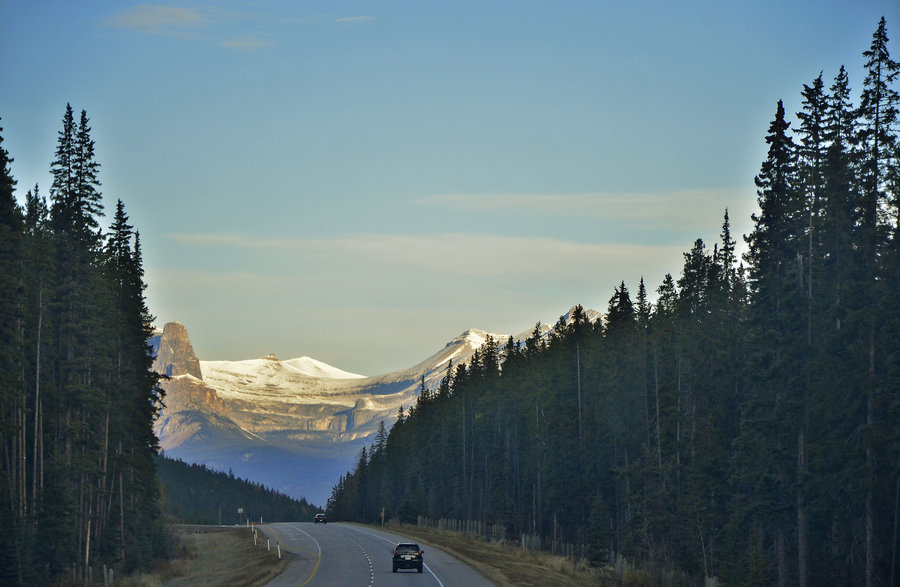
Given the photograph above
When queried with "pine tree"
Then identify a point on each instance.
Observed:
(620, 313)
(775, 246)
(878, 116)
(643, 305)
(380, 440)
(812, 171)
(13, 470)
(877, 138)
(87, 206)
(667, 297)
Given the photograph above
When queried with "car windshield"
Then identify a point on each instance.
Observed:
(414, 548)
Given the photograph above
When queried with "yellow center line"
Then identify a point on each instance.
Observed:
(318, 554)
(315, 570)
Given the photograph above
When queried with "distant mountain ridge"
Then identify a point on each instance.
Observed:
(294, 425)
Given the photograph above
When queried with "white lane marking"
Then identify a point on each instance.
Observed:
(318, 547)
(366, 554)
(392, 542)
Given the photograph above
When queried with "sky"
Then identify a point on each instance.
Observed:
(360, 182)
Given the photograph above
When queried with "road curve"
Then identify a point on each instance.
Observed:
(343, 554)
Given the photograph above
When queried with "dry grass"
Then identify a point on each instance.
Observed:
(506, 565)
(212, 556)
(226, 556)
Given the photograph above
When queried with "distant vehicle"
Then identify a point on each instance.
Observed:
(408, 555)
(321, 518)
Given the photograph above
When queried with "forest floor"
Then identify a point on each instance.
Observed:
(212, 556)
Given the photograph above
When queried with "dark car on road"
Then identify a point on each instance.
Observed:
(408, 555)
(321, 518)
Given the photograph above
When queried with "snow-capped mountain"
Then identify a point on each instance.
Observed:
(295, 425)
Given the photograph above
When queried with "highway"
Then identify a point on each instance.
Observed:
(341, 554)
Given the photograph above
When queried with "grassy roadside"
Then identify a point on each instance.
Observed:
(216, 556)
(212, 556)
(506, 565)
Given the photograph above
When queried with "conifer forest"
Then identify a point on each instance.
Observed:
(744, 425)
(78, 485)
(195, 494)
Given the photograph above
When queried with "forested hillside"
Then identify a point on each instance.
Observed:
(744, 425)
(78, 484)
(194, 494)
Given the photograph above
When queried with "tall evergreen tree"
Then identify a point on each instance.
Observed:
(812, 167)
(877, 138)
(775, 247)
(13, 470)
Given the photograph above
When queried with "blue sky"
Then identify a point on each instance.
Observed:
(362, 181)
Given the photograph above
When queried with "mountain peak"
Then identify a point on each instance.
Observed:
(175, 354)
(591, 315)
(476, 337)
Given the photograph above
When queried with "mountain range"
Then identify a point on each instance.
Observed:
(293, 425)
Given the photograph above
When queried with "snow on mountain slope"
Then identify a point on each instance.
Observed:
(314, 368)
(297, 381)
(459, 350)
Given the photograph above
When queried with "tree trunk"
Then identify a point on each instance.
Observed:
(37, 401)
(870, 467)
(894, 541)
(802, 514)
(578, 377)
(122, 514)
(781, 557)
(658, 435)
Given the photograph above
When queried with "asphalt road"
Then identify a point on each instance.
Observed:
(341, 554)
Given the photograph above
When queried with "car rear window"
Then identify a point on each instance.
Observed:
(408, 547)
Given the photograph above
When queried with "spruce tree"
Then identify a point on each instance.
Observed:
(13, 470)
(878, 116)
(775, 245)
(812, 171)
(877, 139)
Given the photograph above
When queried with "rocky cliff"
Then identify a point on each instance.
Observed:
(190, 403)
(175, 354)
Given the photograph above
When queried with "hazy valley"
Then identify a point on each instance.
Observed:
(294, 425)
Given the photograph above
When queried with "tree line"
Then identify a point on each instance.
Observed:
(195, 494)
(744, 425)
(78, 486)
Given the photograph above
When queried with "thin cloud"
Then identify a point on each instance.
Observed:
(451, 253)
(620, 205)
(353, 19)
(247, 43)
(687, 209)
(157, 19)
(233, 240)
(207, 25)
